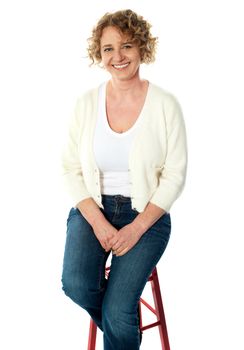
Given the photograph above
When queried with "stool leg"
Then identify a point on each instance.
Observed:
(160, 310)
(92, 336)
(140, 320)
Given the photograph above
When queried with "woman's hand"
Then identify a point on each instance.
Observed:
(126, 238)
(105, 233)
(130, 234)
(103, 230)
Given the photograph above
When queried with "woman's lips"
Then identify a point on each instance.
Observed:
(121, 66)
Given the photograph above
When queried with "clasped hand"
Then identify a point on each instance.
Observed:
(119, 241)
(125, 239)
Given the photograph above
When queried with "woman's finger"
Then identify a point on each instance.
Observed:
(123, 251)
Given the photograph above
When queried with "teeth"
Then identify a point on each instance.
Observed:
(121, 66)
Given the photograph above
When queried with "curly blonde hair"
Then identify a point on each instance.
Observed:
(128, 23)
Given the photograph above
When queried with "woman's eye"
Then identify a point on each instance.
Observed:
(108, 49)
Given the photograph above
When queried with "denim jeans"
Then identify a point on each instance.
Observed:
(111, 303)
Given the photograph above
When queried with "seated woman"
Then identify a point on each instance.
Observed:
(124, 166)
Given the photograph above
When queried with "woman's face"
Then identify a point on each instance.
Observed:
(120, 57)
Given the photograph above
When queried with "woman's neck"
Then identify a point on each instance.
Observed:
(125, 88)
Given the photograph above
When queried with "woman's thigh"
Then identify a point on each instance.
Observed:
(84, 257)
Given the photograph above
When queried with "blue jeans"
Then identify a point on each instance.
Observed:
(111, 303)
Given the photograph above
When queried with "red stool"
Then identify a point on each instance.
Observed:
(158, 310)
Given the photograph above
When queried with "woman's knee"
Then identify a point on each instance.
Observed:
(74, 287)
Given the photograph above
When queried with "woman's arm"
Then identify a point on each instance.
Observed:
(148, 217)
(70, 159)
(172, 178)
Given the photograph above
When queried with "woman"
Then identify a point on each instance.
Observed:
(124, 166)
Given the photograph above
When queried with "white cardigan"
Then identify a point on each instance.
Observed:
(158, 158)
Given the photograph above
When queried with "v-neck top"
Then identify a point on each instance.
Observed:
(112, 149)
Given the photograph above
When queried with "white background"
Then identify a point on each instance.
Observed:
(43, 70)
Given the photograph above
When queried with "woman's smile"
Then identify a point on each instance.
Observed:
(121, 66)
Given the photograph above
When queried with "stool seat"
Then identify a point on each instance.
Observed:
(158, 310)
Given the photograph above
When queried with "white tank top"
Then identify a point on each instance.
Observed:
(111, 151)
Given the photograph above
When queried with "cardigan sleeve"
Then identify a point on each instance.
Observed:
(70, 160)
(173, 173)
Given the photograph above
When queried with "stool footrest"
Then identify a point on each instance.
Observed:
(151, 325)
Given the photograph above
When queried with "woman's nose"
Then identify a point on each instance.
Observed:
(118, 55)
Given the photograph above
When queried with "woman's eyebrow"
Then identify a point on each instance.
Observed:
(109, 45)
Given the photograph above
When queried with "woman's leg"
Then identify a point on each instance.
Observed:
(83, 266)
(128, 276)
